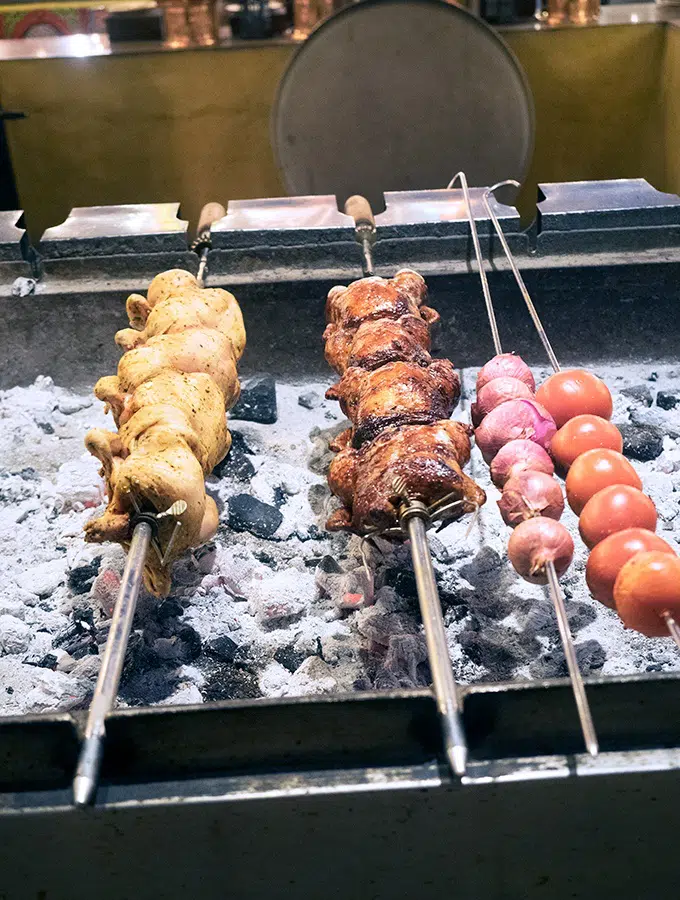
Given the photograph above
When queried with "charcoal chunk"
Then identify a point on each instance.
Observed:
(239, 443)
(310, 400)
(170, 608)
(222, 648)
(639, 392)
(246, 513)
(590, 656)
(643, 442)
(80, 579)
(666, 400)
(257, 402)
(235, 465)
(290, 658)
(229, 683)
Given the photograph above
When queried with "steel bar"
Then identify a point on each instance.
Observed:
(577, 685)
(448, 701)
(87, 773)
(460, 176)
(673, 627)
(516, 272)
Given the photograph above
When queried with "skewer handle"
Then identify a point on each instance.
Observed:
(87, 773)
(446, 693)
(360, 210)
(211, 213)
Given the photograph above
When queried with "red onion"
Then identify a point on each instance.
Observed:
(513, 420)
(505, 365)
(515, 457)
(530, 494)
(496, 392)
(537, 541)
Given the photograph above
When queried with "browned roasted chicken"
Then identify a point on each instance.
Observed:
(168, 401)
(427, 458)
(399, 401)
(378, 320)
(398, 393)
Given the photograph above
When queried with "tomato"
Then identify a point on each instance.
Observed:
(584, 433)
(613, 509)
(611, 554)
(594, 470)
(574, 392)
(646, 587)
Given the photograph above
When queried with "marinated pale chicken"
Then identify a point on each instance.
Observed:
(399, 401)
(168, 400)
(429, 459)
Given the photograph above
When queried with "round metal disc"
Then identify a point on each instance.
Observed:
(400, 95)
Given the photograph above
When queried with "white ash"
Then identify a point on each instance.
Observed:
(299, 613)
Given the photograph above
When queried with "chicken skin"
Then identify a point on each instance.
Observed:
(377, 342)
(168, 400)
(429, 459)
(399, 401)
(398, 393)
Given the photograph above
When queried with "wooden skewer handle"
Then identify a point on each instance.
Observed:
(210, 214)
(360, 210)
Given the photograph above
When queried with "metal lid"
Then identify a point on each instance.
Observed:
(394, 95)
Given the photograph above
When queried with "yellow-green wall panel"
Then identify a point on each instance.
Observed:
(194, 125)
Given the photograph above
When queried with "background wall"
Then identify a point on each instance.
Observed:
(193, 126)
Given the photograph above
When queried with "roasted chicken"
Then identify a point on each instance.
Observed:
(168, 400)
(398, 393)
(362, 321)
(428, 459)
(399, 401)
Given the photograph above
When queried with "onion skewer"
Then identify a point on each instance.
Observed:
(554, 589)
(667, 615)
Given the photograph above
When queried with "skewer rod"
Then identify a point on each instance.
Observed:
(446, 693)
(490, 312)
(87, 773)
(518, 275)
(202, 267)
(673, 627)
(577, 685)
(366, 253)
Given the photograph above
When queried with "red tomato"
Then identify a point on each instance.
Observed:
(646, 587)
(611, 554)
(594, 470)
(574, 392)
(613, 509)
(584, 433)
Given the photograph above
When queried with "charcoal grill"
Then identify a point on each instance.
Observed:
(349, 795)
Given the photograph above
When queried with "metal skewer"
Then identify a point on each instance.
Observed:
(89, 762)
(106, 690)
(577, 685)
(413, 520)
(672, 625)
(516, 272)
(210, 214)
